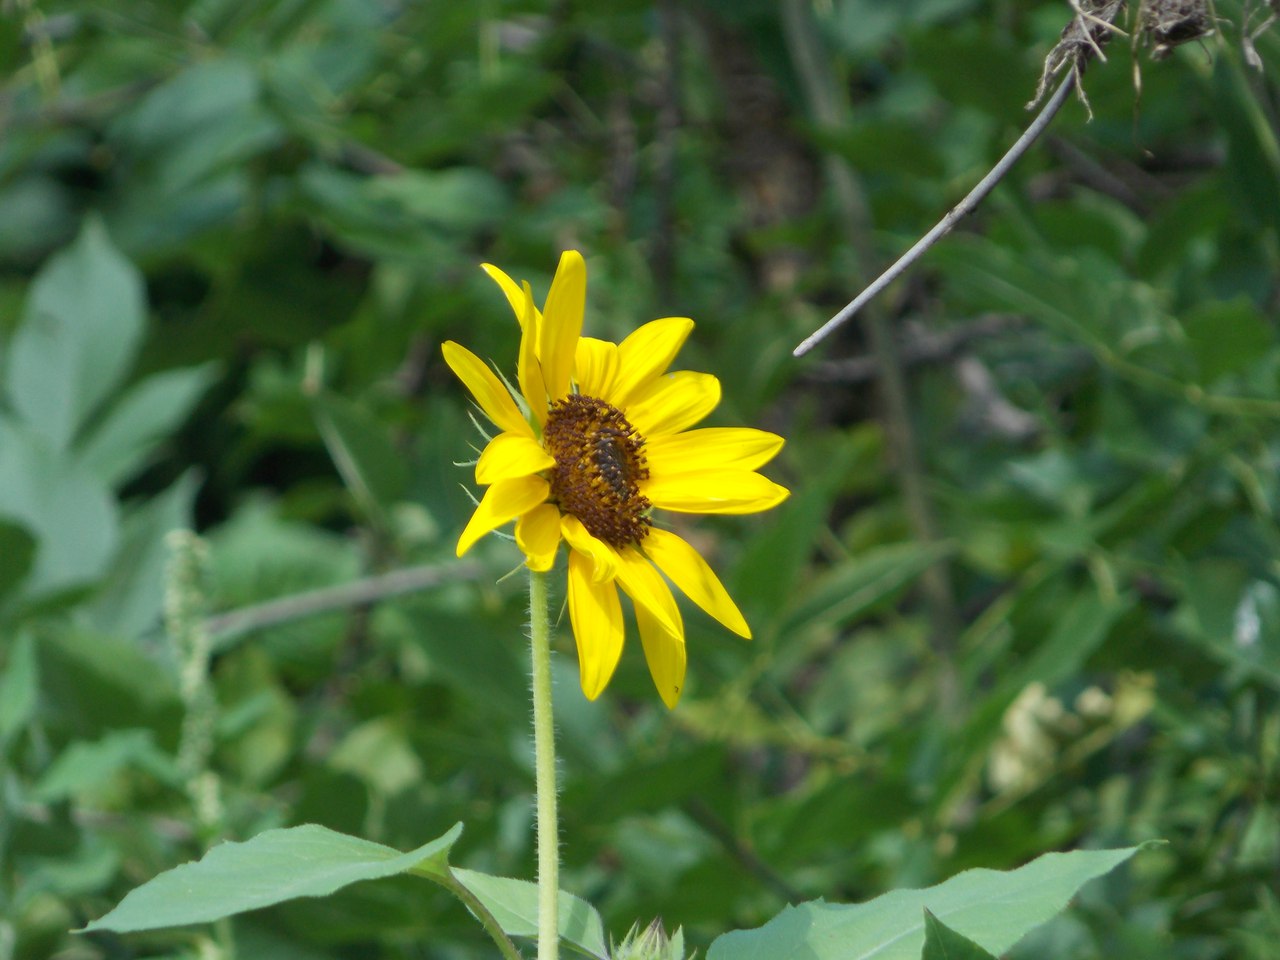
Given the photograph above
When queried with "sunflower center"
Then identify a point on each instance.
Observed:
(599, 465)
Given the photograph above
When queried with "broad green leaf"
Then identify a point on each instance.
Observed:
(131, 596)
(189, 139)
(71, 516)
(943, 943)
(992, 908)
(514, 904)
(85, 768)
(141, 420)
(78, 337)
(85, 871)
(17, 551)
(1226, 337)
(18, 685)
(378, 752)
(457, 198)
(279, 865)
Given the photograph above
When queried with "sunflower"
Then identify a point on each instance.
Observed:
(597, 439)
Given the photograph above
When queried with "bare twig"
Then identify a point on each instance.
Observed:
(943, 227)
(225, 628)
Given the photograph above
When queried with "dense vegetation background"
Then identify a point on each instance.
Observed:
(1025, 595)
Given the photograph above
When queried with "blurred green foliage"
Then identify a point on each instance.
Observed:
(232, 237)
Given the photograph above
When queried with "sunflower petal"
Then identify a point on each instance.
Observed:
(647, 353)
(596, 615)
(688, 571)
(595, 366)
(714, 491)
(511, 455)
(494, 399)
(562, 323)
(665, 653)
(503, 501)
(604, 557)
(671, 404)
(712, 448)
(538, 536)
(515, 296)
(647, 589)
(528, 369)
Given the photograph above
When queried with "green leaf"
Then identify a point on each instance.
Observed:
(17, 552)
(131, 595)
(458, 198)
(378, 753)
(70, 515)
(993, 908)
(18, 686)
(514, 904)
(275, 866)
(1226, 337)
(85, 768)
(78, 337)
(943, 943)
(142, 419)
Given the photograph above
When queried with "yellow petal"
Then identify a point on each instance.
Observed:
(603, 556)
(562, 323)
(714, 491)
(538, 536)
(671, 404)
(595, 366)
(528, 368)
(515, 296)
(511, 455)
(596, 615)
(503, 501)
(712, 448)
(665, 653)
(647, 589)
(646, 354)
(494, 398)
(688, 571)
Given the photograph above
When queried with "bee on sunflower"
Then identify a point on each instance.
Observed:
(598, 438)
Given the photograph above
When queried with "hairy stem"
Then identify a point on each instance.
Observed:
(544, 748)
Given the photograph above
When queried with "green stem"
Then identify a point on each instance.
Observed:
(479, 910)
(544, 748)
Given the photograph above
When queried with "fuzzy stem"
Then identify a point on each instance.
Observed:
(544, 748)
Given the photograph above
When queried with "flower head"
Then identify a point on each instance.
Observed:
(597, 439)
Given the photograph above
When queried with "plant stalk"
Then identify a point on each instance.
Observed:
(544, 748)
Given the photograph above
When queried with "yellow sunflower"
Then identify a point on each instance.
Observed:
(597, 439)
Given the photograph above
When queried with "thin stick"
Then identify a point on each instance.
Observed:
(225, 628)
(943, 227)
